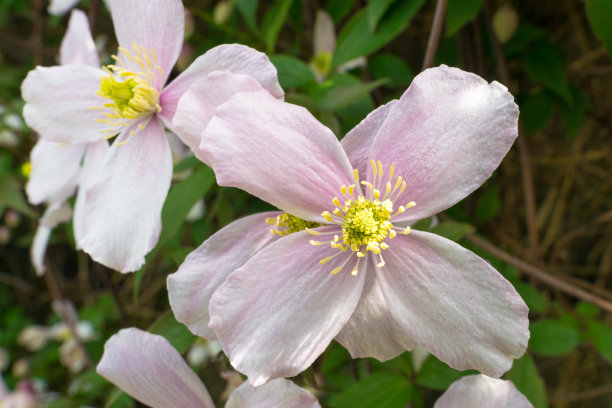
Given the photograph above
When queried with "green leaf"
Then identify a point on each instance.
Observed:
(292, 72)
(11, 195)
(380, 390)
(545, 65)
(532, 297)
(601, 336)
(573, 113)
(599, 13)
(524, 36)
(338, 9)
(356, 39)
(345, 95)
(375, 10)
(391, 67)
(488, 204)
(536, 110)
(437, 375)
(452, 230)
(273, 22)
(586, 309)
(552, 338)
(527, 380)
(459, 13)
(248, 9)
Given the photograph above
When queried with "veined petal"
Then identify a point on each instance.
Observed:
(92, 163)
(482, 392)
(277, 313)
(372, 331)
(279, 393)
(206, 268)
(55, 171)
(197, 105)
(157, 25)
(148, 368)
(57, 102)
(60, 7)
(123, 204)
(78, 47)
(234, 58)
(454, 303)
(446, 135)
(278, 152)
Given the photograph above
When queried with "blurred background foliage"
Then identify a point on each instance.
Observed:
(544, 219)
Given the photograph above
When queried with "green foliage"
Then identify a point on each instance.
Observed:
(536, 110)
(452, 230)
(527, 380)
(273, 22)
(376, 10)
(545, 65)
(381, 390)
(551, 338)
(393, 68)
(11, 195)
(292, 72)
(437, 375)
(248, 10)
(489, 204)
(599, 13)
(459, 13)
(601, 336)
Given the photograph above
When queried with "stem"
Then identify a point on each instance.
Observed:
(434, 34)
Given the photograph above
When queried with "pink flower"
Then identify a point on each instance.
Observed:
(83, 104)
(341, 263)
(148, 368)
(482, 392)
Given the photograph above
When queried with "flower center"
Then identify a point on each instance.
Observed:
(288, 224)
(365, 220)
(132, 93)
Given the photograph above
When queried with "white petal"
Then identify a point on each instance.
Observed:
(279, 393)
(482, 392)
(78, 47)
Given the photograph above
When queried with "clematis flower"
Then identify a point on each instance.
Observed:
(341, 261)
(129, 99)
(483, 392)
(148, 368)
(56, 168)
(23, 397)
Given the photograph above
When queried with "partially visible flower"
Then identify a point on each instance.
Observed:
(72, 356)
(23, 397)
(202, 351)
(60, 7)
(148, 368)
(34, 337)
(13, 121)
(11, 218)
(341, 262)
(483, 392)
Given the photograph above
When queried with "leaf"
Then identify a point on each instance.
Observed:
(545, 65)
(524, 36)
(391, 67)
(527, 380)
(488, 204)
(437, 375)
(536, 110)
(459, 13)
(552, 338)
(380, 390)
(586, 309)
(248, 9)
(273, 22)
(338, 9)
(11, 195)
(573, 113)
(292, 72)
(452, 230)
(532, 297)
(599, 13)
(344, 95)
(601, 336)
(375, 10)
(356, 39)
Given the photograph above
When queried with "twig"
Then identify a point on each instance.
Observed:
(583, 395)
(17, 283)
(434, 34)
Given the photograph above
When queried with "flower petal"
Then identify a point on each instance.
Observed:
(446, 135)
(148, 368)
(278, 152)
(206, 268)
(358, 142)
(157, 25)
(483, 392)
(234, 58)
(454, 303)
(92, 163)
(60, 7)
(372, 331)
(279, 393)
(78, 47)
(197, 105)
(57, 102)
(123, 205)
(55, 171)
(55, 214)
(277, 313)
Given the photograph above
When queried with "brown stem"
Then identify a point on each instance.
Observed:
(37, 32)
(434, 34)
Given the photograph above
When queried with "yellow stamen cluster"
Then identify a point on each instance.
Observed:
(133, 94)
(288, 224)
(365, 220)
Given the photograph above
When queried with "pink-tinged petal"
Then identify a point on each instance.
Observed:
(57, 102)
(57, 213)
(279, 393)
(372, 331)
(446, 135)
(157, 25)
(60, 7)
(234, 58)
(324, 35)
(148, 368)
(92, 163)
(123, 204)
(454, 303)
(206, 268)
(197, 106)
(482, 392)
(78, 47)
(358, 142)
(278, 152)
(277, 313)
(55, 171)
